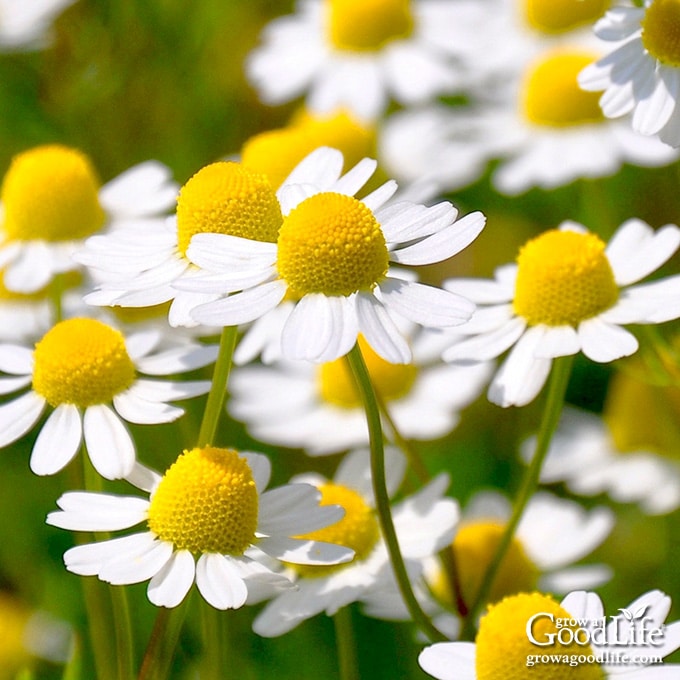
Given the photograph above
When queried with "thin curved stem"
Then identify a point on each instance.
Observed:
(218, 388)
(364, 385)
(557, 387)
(162, 642)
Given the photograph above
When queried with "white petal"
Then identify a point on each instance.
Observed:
(294, 509)
(320, 328)
(603, 342)
(322, 168)
(241, 307)
(652, 112)
(487, 345)
(108, 442)
(222, 252)
(581, 604)
(17, 417)
(9, 385)
(558, 341)
(86, 511)
(260, 467)
(522, 375)
(449, 660)
(425, 305)
(138, 561)
(58, 441)
(378, 197)
(178, 360)
(169, 586)
(481, 291)
(16, 360)
(300, 551)
(220, 582)
(380, 331)
(135, 409)
(355, 178)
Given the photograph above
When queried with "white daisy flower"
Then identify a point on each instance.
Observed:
(78, 370)
(424, 523)
(332, 259)
(642, 74)
(584, 454)
(323, 413)
(503, 647)
(51, 202)
(568, 292)
(26, 24)
(137, 268)
(209, 520)
(357, 55)
(538, 556)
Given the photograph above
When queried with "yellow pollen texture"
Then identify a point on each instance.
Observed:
(276, 152)
(551, 94)
(661, 31)
(367, 25)
(50, 193)
(226, 198)
(357, 530)
(474, 546)
(503, 645)
(82, 362)
(558, 16)
(391, 381)
(563, 278)
(206, 502)
(331, 244)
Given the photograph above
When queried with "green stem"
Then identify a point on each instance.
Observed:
(557, 387)
(364, 385)
(162, 643)
(56, 291)
(215, 642)
(218, 389)
(345, 642)
(124, 639)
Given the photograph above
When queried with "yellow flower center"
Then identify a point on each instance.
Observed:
(331, 244)
(391, 381)
(276, 152)
(357, 530)
(50, 193)
(661, 31)
(551, 95)
(82, 362)
(563, 278)
(558, 16)
(367, 25)
(474, 546)
(206, 503)
(226, 198)
(503, 643)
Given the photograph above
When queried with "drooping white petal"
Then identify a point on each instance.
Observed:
(603, 342)
(220, 582)
(170, 585)
(488, 345)
(523, 374)
(9, 385)
(241, 307)
(293, 510)
(425, 305)
(558, 341)
(380, 331)
(320, 328)
(18, 416)
(86, 511)
(135, 409)
(137, 561)
(108, 442)
(58, 441)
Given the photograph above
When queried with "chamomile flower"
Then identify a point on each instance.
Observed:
(538, 556)
(323, 413)
(26, 24)
(357, 55)
(332, 259)
(424, 523)
(208, 520)
(588, 454)
(568, 292)
(79, 369)
(642, 74)
(51, 201)
(503, 649)
(137, 268)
